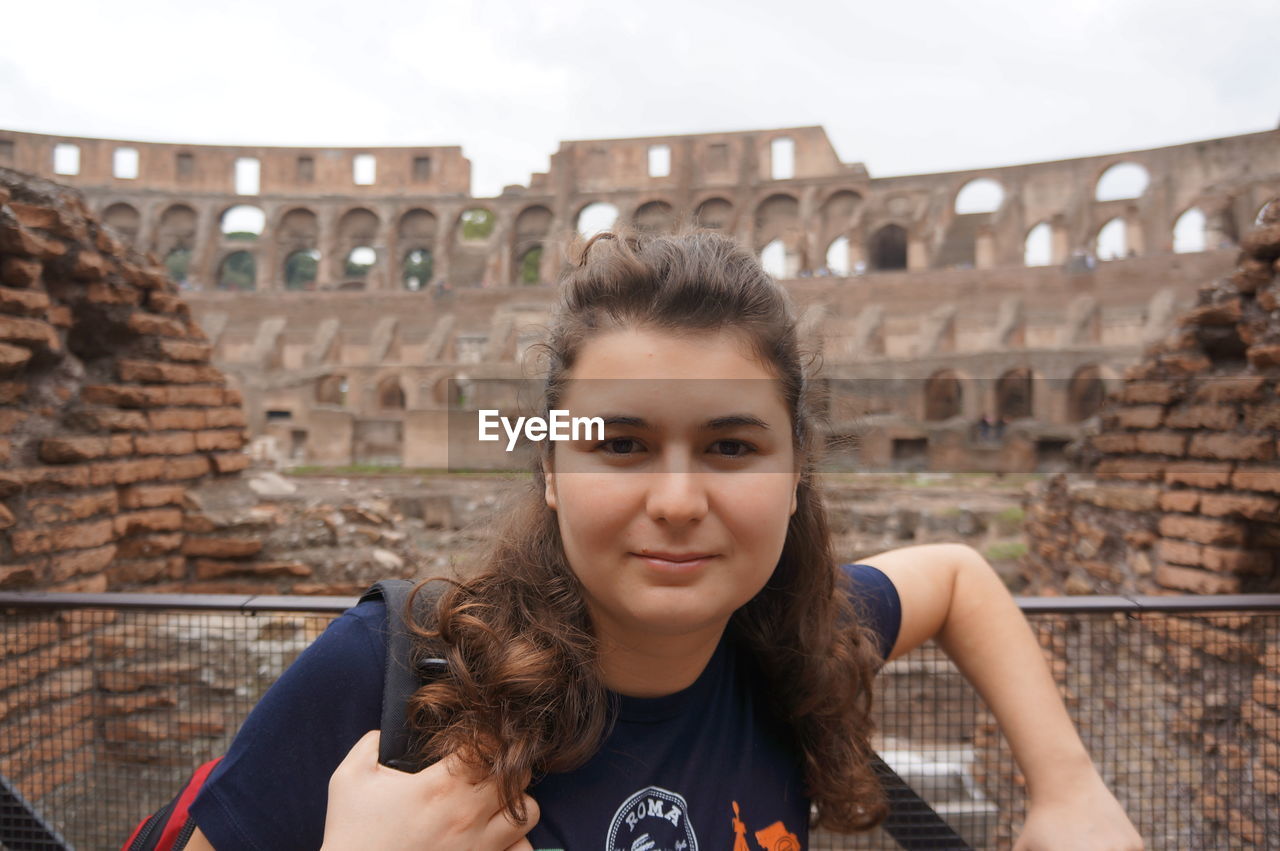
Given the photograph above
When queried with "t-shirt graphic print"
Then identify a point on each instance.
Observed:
(653, 819)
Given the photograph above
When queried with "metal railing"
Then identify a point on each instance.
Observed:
(109, 701)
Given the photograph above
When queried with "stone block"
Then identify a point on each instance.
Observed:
(1217, 417)
(1162, 443)
(23, 302)
(66, 565)
(20, 271)
(186, 467)
(1151, 392)
(69, 537)
(1245, 447)
(222, 548)
(1181, 500)
(1249, 506)
(180, 350)
(127, 472)
(230, 462)
(1199, 474)
(186, 419)
(150, 324)
(166, 443)
(1139, 416)
(227, 439)
(64, 450)
(148, 520)
(151, 496)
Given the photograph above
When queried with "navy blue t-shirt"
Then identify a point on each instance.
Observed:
(690, 770)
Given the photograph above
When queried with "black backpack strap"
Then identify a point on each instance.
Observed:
(403, 675)
(911, 821)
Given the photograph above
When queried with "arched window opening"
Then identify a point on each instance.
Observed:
(943, 396)
(66, 158)
(124, 163)
(982, 195)
(243, 222)
(1014, 395)
(659, 160)
(332, 390)
(1189, 232)
(773, 257)
(417, 269)
(655, 217)
(782, 158)
(714, 214)
(1038, 249)
(178, 261)
(888, 248)
(530, 263)
(838, 257)
(124, 220)
(1113, 242)
(1121, 182)
(595, 217)
(237, 272)
(476, 224)
(391, 395)
(359, 261)
(248, 176)
(1085, 394)
(301, 268)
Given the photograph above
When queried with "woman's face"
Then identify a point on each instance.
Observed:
(678, 516)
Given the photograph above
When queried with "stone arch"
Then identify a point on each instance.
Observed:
(177, 229)
(1189, 231)
(238, 270)
(475, 224)
(471, 247)
(714, 214)
(887, 248)
(943, 396)
(836, 257)
(655, 217)
(1015, 397)
(836, 219)
(980, 195)
(1086, 393)
(773, 259)
(331, 390)
(532, 226)
(417, 268)
(595, 217)
(125, 220)
(1037, 248)
(242, 222)
(357, 254)
(299, 228)
(1112, 241)
(777, 216)
(416, 235)
(1121, 181)
(390, 394)
(302, 269)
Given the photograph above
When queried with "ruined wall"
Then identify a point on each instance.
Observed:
(1181, 494)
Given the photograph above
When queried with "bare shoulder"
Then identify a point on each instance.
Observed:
(198, 842)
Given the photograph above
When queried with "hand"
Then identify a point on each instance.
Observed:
(1086, 817)
(446, 805)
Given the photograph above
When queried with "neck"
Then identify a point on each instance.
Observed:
(657, 665)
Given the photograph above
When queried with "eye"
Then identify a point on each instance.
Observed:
(621, 446)
(733, 448)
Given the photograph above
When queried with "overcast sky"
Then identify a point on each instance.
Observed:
(903, 87)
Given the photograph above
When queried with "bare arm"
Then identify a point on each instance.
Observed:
(950, 593)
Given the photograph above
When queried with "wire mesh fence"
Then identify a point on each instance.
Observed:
(106, 710)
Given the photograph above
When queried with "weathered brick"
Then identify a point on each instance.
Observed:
(89, 266)
(162, 302)
(167, 443)
(225, 417)
(13, 358)
(186, 419)
(1130, 469)
(19, 240)
(69, 476)
(1162, 443)
(180, 350)
(1217, 417)
(150, 546)
(1252, 447)
(202, 397)
(66, 565)
(150, 324)
(161, 372)
(1256, 479)
(1263, 417)
(222, 547)
(230, 462)
(10, 419)
(1202, 530)
(23, 302)
(112, 292)
(59, 316)
(20, 575)
(147, 675)
(214, 569)
(128, 704)
(35, 216)
(63, 450)
(20, 271)
(26, 668)
(220, 439)
(232, 396)
(1240, 505)
(123, 397)
(149, 728)
(126, 472)
(151, 496)
(6, 517)
(64, 509)
(1115, 443)
(1186, 362)
(72, 536)
(1200, 474)
(1185, 501)
(1250, 562)
(186, 467)
(1180, 552)
(1264, 356)
(131, 571)
(1122, 498)
(110, 419)
(1151, 392)
(12, 392)
(1140, 416)
(1195, 581)
(30, 332)
(148, 520)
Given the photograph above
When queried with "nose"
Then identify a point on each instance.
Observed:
(678, 497)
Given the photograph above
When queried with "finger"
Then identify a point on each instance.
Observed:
(522, 845)
(365, 750)
(503, 829)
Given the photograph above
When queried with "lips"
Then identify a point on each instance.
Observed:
(674, 557)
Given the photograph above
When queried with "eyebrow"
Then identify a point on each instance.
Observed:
(715, 424)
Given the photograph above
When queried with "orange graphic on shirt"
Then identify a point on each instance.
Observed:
(775, 837)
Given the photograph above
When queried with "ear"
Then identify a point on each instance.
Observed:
(795, 494)
(549, 492)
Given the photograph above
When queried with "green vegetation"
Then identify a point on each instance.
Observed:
(477, 224)
(529, 265)
(177, 262)
(1005, 551)
(242, 235)
(1011, 516)
(301, 269)
(419, 266)
(238, 272)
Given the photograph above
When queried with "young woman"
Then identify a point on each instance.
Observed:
(658, 651)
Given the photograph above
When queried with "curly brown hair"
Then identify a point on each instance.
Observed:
(524, 696)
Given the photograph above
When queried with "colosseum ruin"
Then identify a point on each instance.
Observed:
(342, 288)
